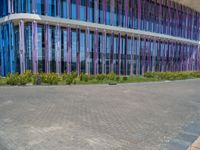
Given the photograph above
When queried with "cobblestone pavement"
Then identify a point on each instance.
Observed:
(138, 116)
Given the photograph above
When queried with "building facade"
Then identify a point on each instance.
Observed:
(98, 36)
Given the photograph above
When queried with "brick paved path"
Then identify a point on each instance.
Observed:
(142, 116)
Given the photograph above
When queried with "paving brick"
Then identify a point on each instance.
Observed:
(141, 116)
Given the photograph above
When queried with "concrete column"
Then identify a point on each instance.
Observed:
(149, 55)
(21, 46)
(96, 52)
(35, 47)
(138, 56)
(47, 67)
(58, 49)
(104, 53)
(87, 62)
(143, 56)
(119, 54)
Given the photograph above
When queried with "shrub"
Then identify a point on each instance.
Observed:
(117, 78)
(16, 79)
(179, 75)
(69, 80)
(12, 79)
(111, 76)
(74, 74)
(23, 79)
(28, 75)
(84, 77)
(50, 78)
(101, 77)
(125, 78)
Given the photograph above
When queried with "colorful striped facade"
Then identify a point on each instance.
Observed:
(98, 36)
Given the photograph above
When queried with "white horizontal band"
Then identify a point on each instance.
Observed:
(93, 26)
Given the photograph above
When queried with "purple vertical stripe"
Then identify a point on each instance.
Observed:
(69, 50)
(149, 56)
(143, 56)
(119, 54)
(139, 13)
(46, 48)
(58, 8)
(104, 53)
(112, 53)
(132, 57)
(78, 9)
(87, 51)
(120, 12)
(96, 52)
(87, 9)
(78, 50)
(160, 17)
(96, 11)
(104, 3)
(112, 9)
(126, 4)
(125, 55)
(35, 47)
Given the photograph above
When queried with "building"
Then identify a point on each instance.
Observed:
(98, 36)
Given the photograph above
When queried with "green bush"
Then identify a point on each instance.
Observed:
(28, 75)
(125, 78)
(179, 75)
(3, 81)
(111, 76)
(84, 77)
(69, 80)
(74, 75)
(50, 78)
(12, 79)
(16, 79)
(101, 77)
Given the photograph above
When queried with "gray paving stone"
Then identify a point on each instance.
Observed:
(140, 116)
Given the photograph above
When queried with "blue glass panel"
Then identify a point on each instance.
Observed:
(51, 7)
